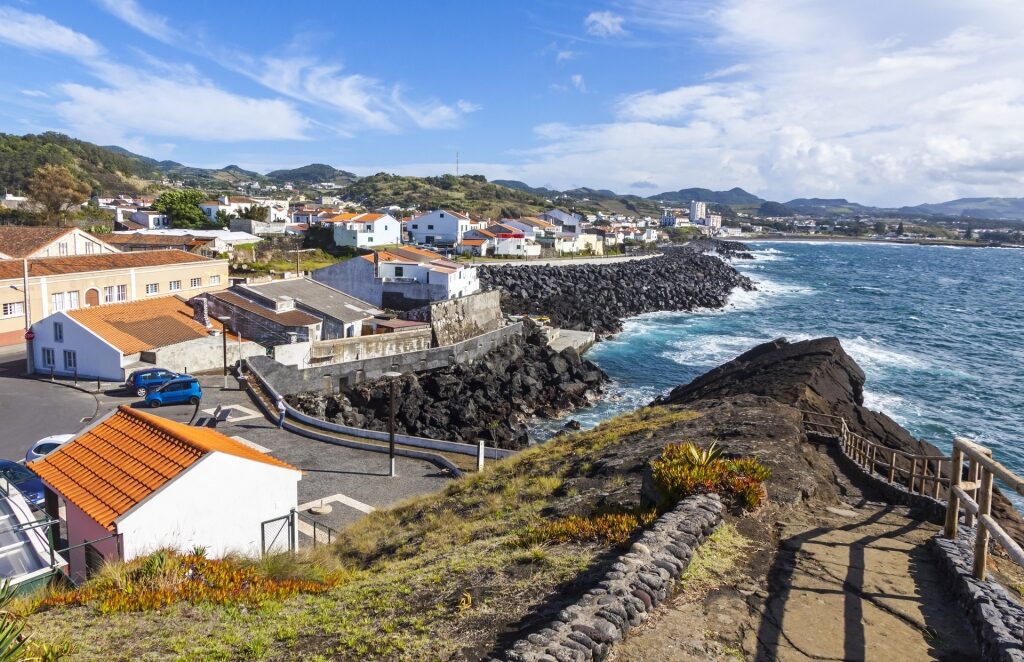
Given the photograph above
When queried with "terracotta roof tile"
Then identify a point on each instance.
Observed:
(52, 266)
(21, 241)
(142, 325)
(108, 469)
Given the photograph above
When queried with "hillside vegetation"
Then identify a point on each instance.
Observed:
(470, 193)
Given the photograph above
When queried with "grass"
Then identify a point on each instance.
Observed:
(713, 560)
(427, 579)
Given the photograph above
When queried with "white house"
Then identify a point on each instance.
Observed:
(21, 241)
(567, 223)
(440, 227)
(133, 482)
(150, 219)
(220, 241)
(366, 230)
(236, 204)
(502, 240)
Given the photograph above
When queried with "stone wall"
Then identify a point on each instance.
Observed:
(201, 354)
(455, 320)
(996, 618)
(633, 588)
(288, 380)
(357, 348)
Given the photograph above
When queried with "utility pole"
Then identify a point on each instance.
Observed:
(392, 378)
(297, 251)
(224, 334)
(28, 318)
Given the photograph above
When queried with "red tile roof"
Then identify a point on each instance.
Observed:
(142, 325)
(52, 266)
(21, 241)
(113, 466)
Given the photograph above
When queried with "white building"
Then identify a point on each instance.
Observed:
(236, 204)
(177, 486)
(366, 230)
(148, 219)
(698, 211)
(21, 241)
(221, 241)
(440, 227)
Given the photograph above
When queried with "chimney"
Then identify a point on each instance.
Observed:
(202, 311)
(376, 264)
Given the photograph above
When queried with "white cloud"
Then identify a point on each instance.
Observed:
(38, 33)
(34, 93)
(467, 106)
(579, 83)
(604, 24)
(149, 23)
(913, 101)
(565, 56)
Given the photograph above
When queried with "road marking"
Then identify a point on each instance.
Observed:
(243, 413)
(342, 499)
(256, 447)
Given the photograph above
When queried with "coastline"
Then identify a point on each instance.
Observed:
(957, 243)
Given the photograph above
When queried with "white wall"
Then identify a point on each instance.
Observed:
(447, 229)
(95, 357)
(218, 503)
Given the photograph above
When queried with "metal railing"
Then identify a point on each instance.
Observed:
(922, 474)
(975, 495)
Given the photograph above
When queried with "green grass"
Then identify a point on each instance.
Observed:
(424, 580)
(713, 560)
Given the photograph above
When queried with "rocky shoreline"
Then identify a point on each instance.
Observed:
(598, 297)
(492, 399)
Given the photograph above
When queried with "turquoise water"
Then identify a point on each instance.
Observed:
(939, 332)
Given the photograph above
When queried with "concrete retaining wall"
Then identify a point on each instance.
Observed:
(996, 618)
(201, 354)
(633, 588)
(346, 350)
(289, 380)
(456, 320)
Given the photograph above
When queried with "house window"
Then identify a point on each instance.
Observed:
(58, 332)
(152, 288)
(174, 285)
(442, 216)
(70, 360)
(195, 282)
(115, 293)
(214, 280)
(369, 240)
(48, 357)
(14, 308)
(62, 248)
(431, 227)
(399, 272)
(90, 248)
(64, 300)
(415, 226)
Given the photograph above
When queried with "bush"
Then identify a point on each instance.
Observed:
(610, 528)
(166, 577)
(684, 469)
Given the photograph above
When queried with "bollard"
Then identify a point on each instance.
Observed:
(76, 375)
(51, 373)
(480, 455)
(98, 386)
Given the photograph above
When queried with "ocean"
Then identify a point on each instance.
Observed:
(939, 332)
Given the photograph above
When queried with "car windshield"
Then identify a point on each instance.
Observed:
(43, 449)
(16, 473)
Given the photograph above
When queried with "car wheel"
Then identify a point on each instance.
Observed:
(141, 392)
(193, 400)
(154, 404)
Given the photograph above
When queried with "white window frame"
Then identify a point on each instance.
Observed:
(58, 332)
(195, 282)
(14, 309)
(49, 357)
(215, 280)
(174, 286)
(152, 288)
(73, 363)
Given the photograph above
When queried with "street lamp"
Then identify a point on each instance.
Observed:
(224, 334)
(392, 378)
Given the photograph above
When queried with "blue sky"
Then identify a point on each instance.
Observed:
(921, 101)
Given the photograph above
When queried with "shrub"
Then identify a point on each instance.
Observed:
(610, 528)
(684, 469)
(166, 577)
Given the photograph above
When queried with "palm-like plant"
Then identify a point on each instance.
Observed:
(12, 642)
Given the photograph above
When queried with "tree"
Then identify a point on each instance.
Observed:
(223, 218)
(256, 213)
(899, 229)
(970, 233)
(182, 208)
(56, 190)
(880, 227)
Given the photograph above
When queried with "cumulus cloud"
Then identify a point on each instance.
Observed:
(147, 22)
(604, 24)
(565, 56)
(578, 82)
(38, 33)
(915, 101)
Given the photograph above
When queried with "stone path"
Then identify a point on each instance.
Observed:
(852, 582)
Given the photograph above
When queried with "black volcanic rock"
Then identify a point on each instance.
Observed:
(491, 399)
(596, 297)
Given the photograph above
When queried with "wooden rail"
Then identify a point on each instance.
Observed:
(923, 474)
(973, 494)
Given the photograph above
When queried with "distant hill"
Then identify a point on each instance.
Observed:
(734, 196)
(314, 173)
(472, 193)
(830, 206)
(987, 208)
(521, 186)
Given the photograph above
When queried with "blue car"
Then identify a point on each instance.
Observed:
(143, 381)
(175, 392)
(29, 484)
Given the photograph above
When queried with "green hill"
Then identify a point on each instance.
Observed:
(472, 193)
(314, 173)
(103, 169)
(986, 208)
(734, 196)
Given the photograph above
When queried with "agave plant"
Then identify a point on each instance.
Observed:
(12, 642)
(703, 457)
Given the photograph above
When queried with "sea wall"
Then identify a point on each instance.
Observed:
(636, 584)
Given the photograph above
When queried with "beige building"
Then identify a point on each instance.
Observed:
(69, 283)
(20, 241)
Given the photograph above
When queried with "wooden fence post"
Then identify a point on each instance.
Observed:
(972, 477)
(953, 503)
(981, 535)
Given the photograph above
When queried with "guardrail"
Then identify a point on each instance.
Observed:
(975, 495)
(895, 466)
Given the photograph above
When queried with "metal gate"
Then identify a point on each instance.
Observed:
(278, 535)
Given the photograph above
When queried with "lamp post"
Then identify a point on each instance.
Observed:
(392, 378)
(224, 334)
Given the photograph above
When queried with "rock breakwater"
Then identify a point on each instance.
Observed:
(491, 399)
(597, 297)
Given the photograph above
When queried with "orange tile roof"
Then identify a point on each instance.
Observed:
(111, 467)
(138, 326)
(350, 217)
(474, 242)
(53, 266)
(22, 241)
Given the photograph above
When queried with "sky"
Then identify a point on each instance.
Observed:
(885, 102)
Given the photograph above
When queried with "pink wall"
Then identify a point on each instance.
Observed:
(82, 528)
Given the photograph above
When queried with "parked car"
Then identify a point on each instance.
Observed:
(143, 381)
(176, 392)
(29, 484)
(47, 445)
